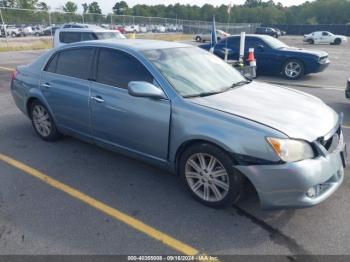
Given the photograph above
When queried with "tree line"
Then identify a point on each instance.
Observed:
(252, 11)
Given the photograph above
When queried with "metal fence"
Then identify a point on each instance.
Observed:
(40, 20)
(306, 29)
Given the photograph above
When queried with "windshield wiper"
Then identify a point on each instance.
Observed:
(234, 85)
(240, 83)
(203, 94)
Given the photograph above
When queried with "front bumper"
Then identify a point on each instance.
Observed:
(319, 67)
(286, 185)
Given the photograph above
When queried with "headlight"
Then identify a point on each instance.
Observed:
(291, 150)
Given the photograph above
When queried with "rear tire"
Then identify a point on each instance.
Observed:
(198, 39)
(43, 123)
(209, 175)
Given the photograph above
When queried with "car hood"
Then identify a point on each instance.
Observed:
(304, 51)
(294, 113)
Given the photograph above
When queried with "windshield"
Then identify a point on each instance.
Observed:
(109, 35)
(274, 43)
(193, 71)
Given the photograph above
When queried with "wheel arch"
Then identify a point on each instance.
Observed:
(248, 184)
(293, 58)
(36, 95)
(187, 144)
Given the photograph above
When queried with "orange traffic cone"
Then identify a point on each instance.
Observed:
(251, 58)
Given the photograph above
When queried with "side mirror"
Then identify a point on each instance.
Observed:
(260, 48)
(145, 89)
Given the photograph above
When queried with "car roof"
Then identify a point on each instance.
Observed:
(89, 30)
(252, 35)
(134, 44)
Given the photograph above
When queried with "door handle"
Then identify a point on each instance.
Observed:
(46, 85)
(98, 99)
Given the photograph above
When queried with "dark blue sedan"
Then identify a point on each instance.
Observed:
(273, 56)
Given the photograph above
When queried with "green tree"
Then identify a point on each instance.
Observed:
(27, 4)
(42, 6)
(70, 7)
(94, 8)
(120, 8)
(85, 8)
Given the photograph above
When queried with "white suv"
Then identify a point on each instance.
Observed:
(72, 35)
(324, 37)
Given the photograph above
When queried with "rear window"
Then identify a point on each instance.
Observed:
(72, 62)
(70, 37)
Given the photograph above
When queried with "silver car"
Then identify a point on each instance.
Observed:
(207, 37)
(184, 109)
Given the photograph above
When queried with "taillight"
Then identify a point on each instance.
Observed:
(14, 75)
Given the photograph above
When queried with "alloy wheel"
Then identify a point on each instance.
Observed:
(293, 69)
(207, 177)
(41, 120)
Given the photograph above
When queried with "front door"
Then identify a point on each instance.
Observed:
(134, 123)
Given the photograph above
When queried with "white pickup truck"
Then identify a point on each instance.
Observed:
(324, 37)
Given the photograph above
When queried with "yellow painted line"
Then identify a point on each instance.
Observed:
(6, 68)
(347, 127)
(132, 222)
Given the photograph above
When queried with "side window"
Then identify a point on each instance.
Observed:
(75, 63)
(88, 36)
(232, 42)
(324, 33)
(70, 37)
(252, 42)
(117, 69)
(51, 66)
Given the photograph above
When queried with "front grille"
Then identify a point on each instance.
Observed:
(331, 143)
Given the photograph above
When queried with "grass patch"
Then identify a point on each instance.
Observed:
(23, 44)
(20, 45)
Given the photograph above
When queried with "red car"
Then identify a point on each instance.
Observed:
(121, 29)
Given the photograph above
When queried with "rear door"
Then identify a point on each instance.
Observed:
(124, 121)
(65, 85)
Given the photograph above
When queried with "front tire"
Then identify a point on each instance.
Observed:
(311, 41)
(198, 39)
(293, 69)
(43, 123)
(337, 41)
(209, 175)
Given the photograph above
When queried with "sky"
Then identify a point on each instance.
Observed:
(106, 6)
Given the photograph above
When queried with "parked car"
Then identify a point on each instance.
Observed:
(274, 57)
(78, 25)
(267, 31)
(182, 108)
(324, 37)
(14, 31)
(2, 31)
(347, 90)
(72, 35)
(132, 29)
(50, 30)
(121, 29)
(37, 30)
(280, 32)
(207, 37)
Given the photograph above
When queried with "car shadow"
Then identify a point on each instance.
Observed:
(150, 194)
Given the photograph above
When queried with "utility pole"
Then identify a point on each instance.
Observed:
(3, 24)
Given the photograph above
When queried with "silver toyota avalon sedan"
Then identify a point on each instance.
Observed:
(184, 109)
